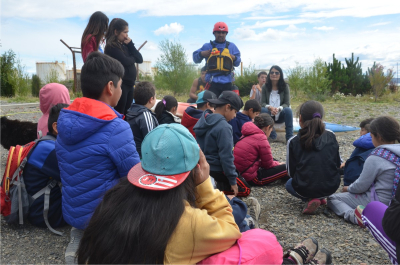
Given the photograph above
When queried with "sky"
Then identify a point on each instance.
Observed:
(267, 32)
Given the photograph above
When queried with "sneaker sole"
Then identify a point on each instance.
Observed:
(359, 219)
(311, 207)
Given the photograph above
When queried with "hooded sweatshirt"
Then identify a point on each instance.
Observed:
(142, 121)
(237, 124)
(190, 117)
(315, 173)
(379, 171)
(49, 96)
(214, 135)
(94, 149)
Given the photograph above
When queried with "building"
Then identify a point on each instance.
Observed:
(50, 71)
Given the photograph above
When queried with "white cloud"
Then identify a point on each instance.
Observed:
(380, 24)
(292, 27)
(269, 34)
(324, 28)
(173, 28)
(262, 18)
(281, 22)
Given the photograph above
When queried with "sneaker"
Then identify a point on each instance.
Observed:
(311, 206)
(357, 214)
(305, 251)
(322, 257)
(254, 209)
(323, 201)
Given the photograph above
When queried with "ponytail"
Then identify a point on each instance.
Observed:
(311, 113)
(167, 103)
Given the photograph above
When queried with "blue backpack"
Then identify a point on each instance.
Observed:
(354, 166)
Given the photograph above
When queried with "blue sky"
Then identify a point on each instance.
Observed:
(266, 32)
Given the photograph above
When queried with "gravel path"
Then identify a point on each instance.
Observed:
(281, 212)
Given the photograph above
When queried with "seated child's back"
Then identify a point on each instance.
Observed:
(95, 145)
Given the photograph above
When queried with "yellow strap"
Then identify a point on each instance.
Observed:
(19, 156)
(7, 179)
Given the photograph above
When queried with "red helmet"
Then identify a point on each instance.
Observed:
(220, 26)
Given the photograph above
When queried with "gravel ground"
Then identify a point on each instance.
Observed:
(281, 212)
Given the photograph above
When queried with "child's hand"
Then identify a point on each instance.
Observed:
(342, 165)
(202, 171)
(235, 189)
(345, 188)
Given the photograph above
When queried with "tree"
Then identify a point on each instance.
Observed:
(317, 84)
(173, 69)
(296, 78)
(7, 68)
(355, 76)
(35, 85)
(336, 72)
(246, 81)
(378, 78)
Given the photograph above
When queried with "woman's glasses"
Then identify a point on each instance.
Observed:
(274, 73)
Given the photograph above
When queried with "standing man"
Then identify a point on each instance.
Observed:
(198, 86)
(221, 57)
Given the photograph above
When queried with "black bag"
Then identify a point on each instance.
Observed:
(391, 219)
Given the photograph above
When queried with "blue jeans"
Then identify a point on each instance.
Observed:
(290, 189)
(285, 116)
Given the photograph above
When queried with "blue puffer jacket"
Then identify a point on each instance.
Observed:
(94, 149)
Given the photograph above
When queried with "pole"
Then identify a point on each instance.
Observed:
(74, 62)
(137, 65)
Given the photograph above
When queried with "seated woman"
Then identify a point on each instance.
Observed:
(167, 212)
(275, 100)
(253, 157)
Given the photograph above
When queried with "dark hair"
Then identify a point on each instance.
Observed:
(97, 71)
(203, 69)
(170, 102)
(133, 225)
(216, 106)
(387, 127)
(97, 26)
(143, 92)
(53, 115)
(366, 123)
(117, 24)
(311, 113)
(263, 120)
(262, 73)
(281, 82)
(252, 104)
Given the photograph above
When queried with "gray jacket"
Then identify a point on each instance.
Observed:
(285, 97)
(379, 171)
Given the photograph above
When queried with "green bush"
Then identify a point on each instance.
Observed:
(316, 83)
(35, 85)
(296, 79)
(246, 81)
(7, 68)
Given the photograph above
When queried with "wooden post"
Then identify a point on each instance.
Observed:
(137, 65)
(74, 63)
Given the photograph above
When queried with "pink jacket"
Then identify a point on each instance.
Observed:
(251, 147)
(256, 246)
(50, 95)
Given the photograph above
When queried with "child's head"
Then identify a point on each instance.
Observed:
(310, 118)
(262, 77)
(228, 104)
(252, 108)
(168, 103)
(265, 122)
(101, 78)
(364, 125)
(203, 73)
(116, 32)
(97, 26)
(53, 117)
(384, 130)
(202, 100)
(145, 94)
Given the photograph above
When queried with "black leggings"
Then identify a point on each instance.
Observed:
(218, 88)
(126, 99)
(266, 176)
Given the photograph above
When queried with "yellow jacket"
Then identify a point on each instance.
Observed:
(203, 231)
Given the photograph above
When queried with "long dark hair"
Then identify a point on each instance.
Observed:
(263, 120)
(170, 102)
(133, 225)
(281, 82)
(97, 26)
(117, 24)
(386, 127)
(311, 113)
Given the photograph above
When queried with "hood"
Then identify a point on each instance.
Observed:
(208, 119)
(83, 118)
(320, 142)
(193, 112)
(242, 117)
(250, 128)
(394, 148)
(135, 110)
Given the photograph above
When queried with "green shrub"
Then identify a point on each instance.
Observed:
(296, 78)
(35, 85)
(316, 83)
(246, 81)
(7, 68)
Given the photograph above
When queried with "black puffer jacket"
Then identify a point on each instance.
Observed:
(166, 118)
(315, 173)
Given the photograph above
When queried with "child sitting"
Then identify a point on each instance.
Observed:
(94, 145)
(166, 110)
(40, 169)
(363, 146)
(251, 109)
(192, 115)
(141, 119)
(313, 159)
(214, 135)
(376, 180)
(253, 157)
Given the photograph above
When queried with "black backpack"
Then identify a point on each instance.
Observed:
(354, 167)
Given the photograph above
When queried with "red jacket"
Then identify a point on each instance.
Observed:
(89, 47)
(251, 147)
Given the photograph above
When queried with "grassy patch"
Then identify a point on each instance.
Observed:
(20, 99)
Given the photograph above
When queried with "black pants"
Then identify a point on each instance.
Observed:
(126, 99)
(218, 88)
(266, 176)
(224, 186)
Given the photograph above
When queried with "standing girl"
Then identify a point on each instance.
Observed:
(166, 110)
(94, 34)
(120, 47)
(253, 157)
(313, 159)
